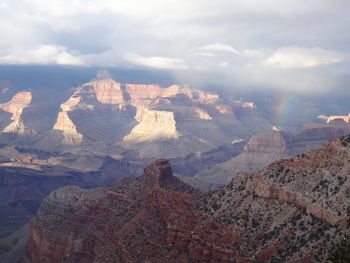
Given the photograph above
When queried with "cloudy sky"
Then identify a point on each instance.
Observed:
(292, 45)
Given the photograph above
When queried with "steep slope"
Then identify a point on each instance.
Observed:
(26, 179)
(291, 211)
(265, 148)
(105, 116)
(69, 131)
(133, 206)
(262, 149)
(15, 106)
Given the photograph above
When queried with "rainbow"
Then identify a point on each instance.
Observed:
(282, 110)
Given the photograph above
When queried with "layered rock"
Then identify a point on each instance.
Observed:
(147, 119)
(15, 107)
(292, 211)
(262, 149)
(346, 118)
(265, 148)
(133, 205)
(17, 104)
(70, 134)
(27, 177)
(153, 125)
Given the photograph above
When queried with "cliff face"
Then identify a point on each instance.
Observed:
(291, 211)
(140, 116)
(265, 148)
(25, 180)
(17, 104)
(15, 107)
(69, 130)
(262, 149)
(153, 125)
(346, 118)
(135, 208)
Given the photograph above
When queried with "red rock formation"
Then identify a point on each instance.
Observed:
(292, 211)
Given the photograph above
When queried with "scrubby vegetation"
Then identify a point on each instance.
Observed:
(342, 254)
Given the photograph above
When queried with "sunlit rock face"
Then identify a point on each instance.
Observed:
(110, 117)
(343, 118)
(153, 125)
(149, 119)
(69, 130)
(17, 104)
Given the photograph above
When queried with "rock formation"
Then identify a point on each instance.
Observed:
(26, 178)
(262, 149)
(15, 107)
(343, 118)
(153, 125)
(70, 134)
(265, 148)
(17, 104)
(291, 211)
(148, 119)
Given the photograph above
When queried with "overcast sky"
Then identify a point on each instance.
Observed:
(300, 45)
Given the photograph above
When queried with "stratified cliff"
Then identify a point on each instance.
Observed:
(265, 148)
(15, 106)
(153, 121)
(130, 210)
(294, 210)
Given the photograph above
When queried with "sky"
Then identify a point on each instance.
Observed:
(288, 45)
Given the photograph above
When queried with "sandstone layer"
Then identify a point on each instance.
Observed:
(148, 119)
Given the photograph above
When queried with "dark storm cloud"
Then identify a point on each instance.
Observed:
(290, 45)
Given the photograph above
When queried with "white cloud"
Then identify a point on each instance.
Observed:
(249, 35)
(44, 54)
(251, 52)
(297, 57)
(203, 54)
(157, 62)
(218, 47)
(224, 64)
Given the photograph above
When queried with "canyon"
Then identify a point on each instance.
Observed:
(104, 125)
(306, 196)
(265, 148)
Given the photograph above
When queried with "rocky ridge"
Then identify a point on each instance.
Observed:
(107, 116)
(265, 148)
(294, 210)
(15, 107)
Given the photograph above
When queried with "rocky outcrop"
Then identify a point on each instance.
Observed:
(306, 197)
(153, 125)
(15, 107)
(134, 205)
(147, 119)
(265, 148)
(18, 127)
(346, 118)
(145, 95)
(69, 130)
(17, 104)
(27, 177)
(292, 211)
(262, 149)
